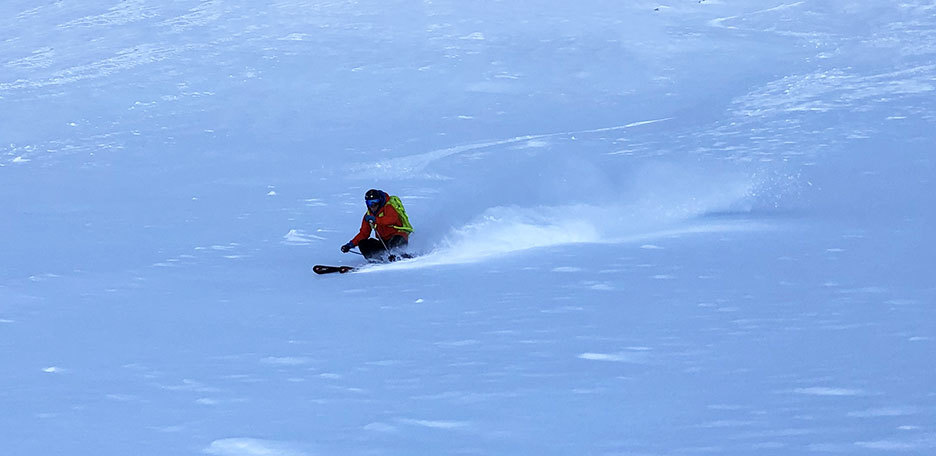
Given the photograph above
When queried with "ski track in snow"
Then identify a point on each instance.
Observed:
(125, 12)
(720, 22)
(123, 59)
(834, 90)
(415, 165)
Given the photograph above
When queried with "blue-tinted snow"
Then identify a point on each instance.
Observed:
(647, 229)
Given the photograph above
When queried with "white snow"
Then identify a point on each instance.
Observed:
(250, 447)
(641, 228)
(826, 391)
(435, 424)
(615, 357)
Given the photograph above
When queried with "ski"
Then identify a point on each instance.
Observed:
(321, 269)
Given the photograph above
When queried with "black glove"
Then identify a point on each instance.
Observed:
(347, 247)
(370, 219)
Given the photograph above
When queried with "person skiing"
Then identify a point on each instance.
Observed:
(391, 228)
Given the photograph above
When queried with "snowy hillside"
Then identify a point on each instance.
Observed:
(644, 228)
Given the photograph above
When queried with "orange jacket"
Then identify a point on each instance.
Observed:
(387, 218)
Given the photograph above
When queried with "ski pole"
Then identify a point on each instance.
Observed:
(374, 227)
(391, 257)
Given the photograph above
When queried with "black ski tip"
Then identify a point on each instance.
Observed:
(319, 269)
(322, 269)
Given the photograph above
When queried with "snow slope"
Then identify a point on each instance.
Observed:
(646, 229)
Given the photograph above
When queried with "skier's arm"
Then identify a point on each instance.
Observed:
(363, 234)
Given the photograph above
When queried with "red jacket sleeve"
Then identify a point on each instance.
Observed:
(363, 234)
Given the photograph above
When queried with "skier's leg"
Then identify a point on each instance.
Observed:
(372, 249)
(397, 243)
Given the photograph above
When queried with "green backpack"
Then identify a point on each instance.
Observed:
(398, 205)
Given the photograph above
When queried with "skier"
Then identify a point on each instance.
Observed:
(390, 224)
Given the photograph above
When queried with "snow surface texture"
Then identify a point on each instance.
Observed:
(646, 229)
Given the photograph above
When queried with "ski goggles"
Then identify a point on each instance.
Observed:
(372, 202)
